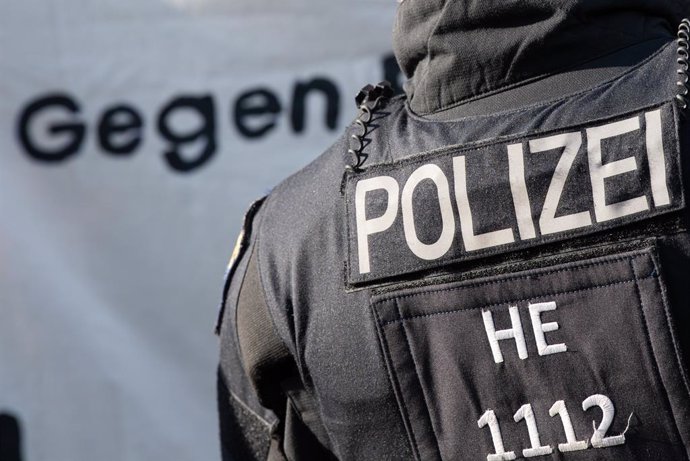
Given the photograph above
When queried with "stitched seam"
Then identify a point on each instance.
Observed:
(469, 309)
(292, 347)
(416, 374)
(670, 325)
(523, 277)
(678, 160)
(553, 102)
(394, 382)
(348, 230)
(428, 57)
(269, 301)
(425, 156)
(650, 348)
(247, 408)
(538, 262)
(526, 244)
(536, 78)
(387, 157)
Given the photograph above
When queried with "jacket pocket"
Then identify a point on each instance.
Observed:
(574, 361)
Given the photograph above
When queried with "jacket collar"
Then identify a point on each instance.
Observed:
(456, 51)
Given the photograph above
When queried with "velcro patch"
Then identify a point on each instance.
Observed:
(467, 201)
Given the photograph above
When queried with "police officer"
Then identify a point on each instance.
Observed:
(491, 266)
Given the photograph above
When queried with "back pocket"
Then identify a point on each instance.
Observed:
(575, 361)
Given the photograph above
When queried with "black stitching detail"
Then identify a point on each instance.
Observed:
(523, 277)
(596, 287)
(595, 228)
(468, 147)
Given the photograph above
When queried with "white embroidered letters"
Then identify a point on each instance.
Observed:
(489, 418)
(366, 227)
(525, 412)
(484, 174)
(598, 440)
(539, 328)
(472, 241)
(657, 159)
(599, 171)
(442, 245)
(517, 333)
(518, 187)
(510, 333)
(548, 222)
(572, 444)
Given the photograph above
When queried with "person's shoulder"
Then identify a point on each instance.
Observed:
(306, 197)
(307, 192)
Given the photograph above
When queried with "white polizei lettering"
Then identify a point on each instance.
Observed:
(572, 443)
(366, 227)
(599, 172)
(548, 222)
(518, 187)
(599, 439)
(525, 412)
(511, 333)
(656, 158)
(539, 328)
(442, 245)
(489, 419)
(471, 241)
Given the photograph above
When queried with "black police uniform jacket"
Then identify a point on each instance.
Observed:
(499, 267)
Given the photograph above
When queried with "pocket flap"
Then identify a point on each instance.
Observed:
(571, 358)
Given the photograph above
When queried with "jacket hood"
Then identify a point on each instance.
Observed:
(455, 51)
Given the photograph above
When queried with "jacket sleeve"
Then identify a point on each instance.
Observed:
(262, 402)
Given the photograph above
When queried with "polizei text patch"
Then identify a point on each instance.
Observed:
(466, 201)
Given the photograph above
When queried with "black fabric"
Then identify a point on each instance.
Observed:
(10, 438)
(617, 340)
(240, 247)
(677, 268)
(243, 435)
(454, 51)
(356, 382)
(303, 422)
(581, 77)
(301, 442)
(264, 411)
(274, 376)
(619, 240)
(492, 204)
(266, 359)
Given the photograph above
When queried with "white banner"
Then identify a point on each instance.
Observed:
(133, 135)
